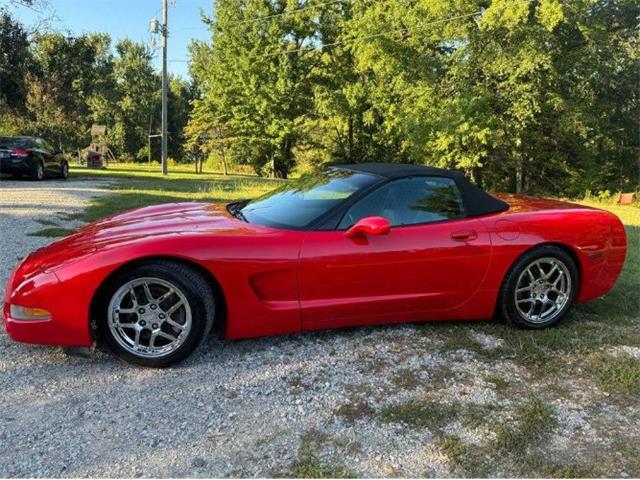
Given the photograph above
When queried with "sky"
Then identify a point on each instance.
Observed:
(129, 18)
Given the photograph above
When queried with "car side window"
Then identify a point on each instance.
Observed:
(409, 201)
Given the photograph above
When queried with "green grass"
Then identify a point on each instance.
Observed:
(532, 421)
(48, 223)
(419, 413)
(52, 232)
(138, 187)
(471, 459)
(311, 467)
(308, 465)
(619, 374)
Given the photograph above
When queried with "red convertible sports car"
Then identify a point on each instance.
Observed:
(357, 245)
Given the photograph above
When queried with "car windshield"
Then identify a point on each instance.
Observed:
(15, 142)
(298, 204)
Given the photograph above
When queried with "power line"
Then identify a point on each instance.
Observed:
(275, 15)
(354, 39)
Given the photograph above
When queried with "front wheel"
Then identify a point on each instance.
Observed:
(155, 314)
(539, 288)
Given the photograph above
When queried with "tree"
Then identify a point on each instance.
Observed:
(15, 63)
(526, 96)
(259, 94)
(68, 77)
(137, 104)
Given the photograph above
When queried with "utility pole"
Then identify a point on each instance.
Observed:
(165, 84)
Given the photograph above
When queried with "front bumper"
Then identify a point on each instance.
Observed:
(44, 290)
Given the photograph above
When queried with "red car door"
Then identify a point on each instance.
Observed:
(431, 261)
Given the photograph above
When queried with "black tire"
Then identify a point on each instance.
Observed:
(37, 171)
(192, 285)
(64, 170)
(507, 306)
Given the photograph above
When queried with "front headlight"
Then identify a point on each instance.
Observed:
(18, 312)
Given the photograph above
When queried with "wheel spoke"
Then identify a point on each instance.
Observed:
(531, 277)
(553, 269)
(134, 299)
(126, 310)
(166, 335)
(175, 324)
(125, 325)
(173, 308)
(557, 280)
(136, 339)
(147, 292)
(165, 295)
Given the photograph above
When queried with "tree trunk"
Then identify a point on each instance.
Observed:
(519, 176)
(224, 161)
(350, 138)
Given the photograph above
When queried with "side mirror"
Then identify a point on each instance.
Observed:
(369, 226)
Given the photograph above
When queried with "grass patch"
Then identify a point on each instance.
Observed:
(500, 382)
(533, 420)
(47, 223)
(617, 374)
(420, 414)
(631, 455)
(310, 467)
(307, 463)
(354, 410)
(138, 186)
(52, 232)
(567, 471)
(406, 379)
(469, 459)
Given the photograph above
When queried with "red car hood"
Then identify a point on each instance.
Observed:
(153, 221)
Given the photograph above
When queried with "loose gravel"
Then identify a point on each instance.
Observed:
(24, 205)
(306, 404)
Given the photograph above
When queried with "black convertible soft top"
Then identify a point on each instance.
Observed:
(476, 201)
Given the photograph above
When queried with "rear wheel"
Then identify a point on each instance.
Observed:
(540, 288)
(155, 314)
(37, 171)
(64, 170)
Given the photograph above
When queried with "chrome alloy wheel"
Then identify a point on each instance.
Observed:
(149, 317)
(543, 290)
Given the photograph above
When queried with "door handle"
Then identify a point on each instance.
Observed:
(464, 235)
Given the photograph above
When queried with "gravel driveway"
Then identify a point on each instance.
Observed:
(23, 204)
(322, 404)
